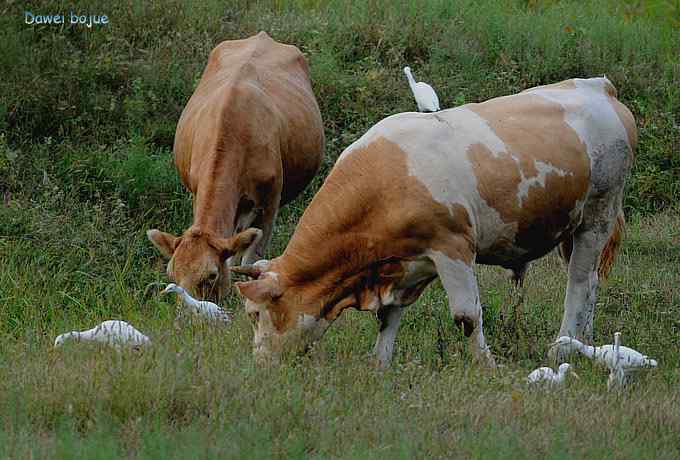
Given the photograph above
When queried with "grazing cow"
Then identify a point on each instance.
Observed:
(418, 196)
(249, 140)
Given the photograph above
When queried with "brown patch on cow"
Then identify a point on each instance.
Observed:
(368, 217)
(532, 129)
(610, 89)
(627, 120)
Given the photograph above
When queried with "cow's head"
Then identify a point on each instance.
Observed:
(198, 259)
(282, 322)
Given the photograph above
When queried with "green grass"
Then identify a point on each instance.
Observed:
(87, 120)
(197, 392)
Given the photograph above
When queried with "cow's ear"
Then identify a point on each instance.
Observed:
(243, 242)
(263, 290)
(164, 242)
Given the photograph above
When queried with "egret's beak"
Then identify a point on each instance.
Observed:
(553, 345)
(166, 291)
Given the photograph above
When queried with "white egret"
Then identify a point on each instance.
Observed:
(546, 375)
(198, 307)
(620, 361)
(111, 332)
(426, 98)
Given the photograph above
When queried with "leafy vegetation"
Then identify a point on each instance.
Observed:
(87, 120)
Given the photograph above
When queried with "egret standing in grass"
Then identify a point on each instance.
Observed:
(198, 307)
(111, 332)
(547, 376)
(426, 98)
(621, 361)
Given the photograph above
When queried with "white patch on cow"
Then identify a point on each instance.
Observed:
(537, 181)
(374, 132)
(589, 113)
(459, 278)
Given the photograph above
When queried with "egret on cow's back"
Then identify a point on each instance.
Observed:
(425, 96)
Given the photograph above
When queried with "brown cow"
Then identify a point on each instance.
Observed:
(425, 195)
(249, 140)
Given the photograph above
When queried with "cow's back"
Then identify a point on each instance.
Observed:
(255, 90)
(522, 166)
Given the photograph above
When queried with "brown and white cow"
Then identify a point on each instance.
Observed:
(249, 140)
(418, 196)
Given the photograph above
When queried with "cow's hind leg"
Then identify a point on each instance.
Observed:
(461, 288)
(389, 318)
(601, 220)
(517, 295)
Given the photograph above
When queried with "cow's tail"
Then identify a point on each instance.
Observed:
(612, 246)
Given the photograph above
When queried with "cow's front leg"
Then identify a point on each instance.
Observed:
(461, 288)
(389, 318)
(266, 224)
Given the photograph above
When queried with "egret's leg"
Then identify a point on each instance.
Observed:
(621, 377)
(389, 318)
(461, 288)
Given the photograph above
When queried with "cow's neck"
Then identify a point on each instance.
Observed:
(345, 271)
(341, 246)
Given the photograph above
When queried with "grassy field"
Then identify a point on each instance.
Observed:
(87, 119)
